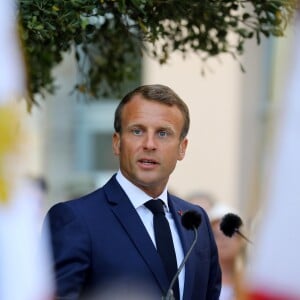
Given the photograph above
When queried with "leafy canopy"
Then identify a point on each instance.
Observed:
(109, 36)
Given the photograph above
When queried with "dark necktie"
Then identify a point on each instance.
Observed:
(164, 242)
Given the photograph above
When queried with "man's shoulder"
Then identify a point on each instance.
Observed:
(66, 210)
(183, 202)
(184, 205)
(85, 201)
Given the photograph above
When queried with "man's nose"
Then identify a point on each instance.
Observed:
(150, 142)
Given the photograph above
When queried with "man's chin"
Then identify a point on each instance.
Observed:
(150, 185)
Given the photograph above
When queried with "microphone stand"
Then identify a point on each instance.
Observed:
(170, 295)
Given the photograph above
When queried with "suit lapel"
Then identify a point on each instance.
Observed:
(130, 220)
(186, 237)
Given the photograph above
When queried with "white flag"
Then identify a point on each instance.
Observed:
(12, 76)
(274, 270)
(25, 269)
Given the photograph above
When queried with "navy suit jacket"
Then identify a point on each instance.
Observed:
(99, 240)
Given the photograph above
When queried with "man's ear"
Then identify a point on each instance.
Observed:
(182, 148)
(116, 143)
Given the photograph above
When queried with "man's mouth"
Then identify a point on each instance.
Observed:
(148, 161)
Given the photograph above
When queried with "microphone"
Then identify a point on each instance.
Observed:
(191, 220)
(230, 224)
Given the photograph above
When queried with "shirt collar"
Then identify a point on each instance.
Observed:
(136, 195)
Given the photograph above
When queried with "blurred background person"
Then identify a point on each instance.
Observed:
(232, 252)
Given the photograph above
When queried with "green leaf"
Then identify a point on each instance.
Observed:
(111, 35)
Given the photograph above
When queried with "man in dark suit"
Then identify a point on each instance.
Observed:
(105, 241)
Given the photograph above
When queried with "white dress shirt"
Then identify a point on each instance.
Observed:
(138, 198)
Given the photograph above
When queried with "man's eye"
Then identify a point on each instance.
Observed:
(136, 131)
(163, 133)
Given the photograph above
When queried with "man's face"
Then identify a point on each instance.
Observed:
(149, 144)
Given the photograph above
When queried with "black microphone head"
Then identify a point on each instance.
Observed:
(230, 224)
(191, 219)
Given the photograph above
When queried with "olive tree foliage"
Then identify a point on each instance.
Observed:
(109, 36)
